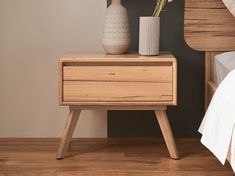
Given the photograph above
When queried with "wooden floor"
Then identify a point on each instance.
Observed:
(101, 157)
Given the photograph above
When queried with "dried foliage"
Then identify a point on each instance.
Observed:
(160, 7)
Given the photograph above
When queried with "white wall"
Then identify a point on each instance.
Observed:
(33, 35)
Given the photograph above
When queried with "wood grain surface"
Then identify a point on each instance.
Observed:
(118, 73)
(68, 133)
(94, 56)
(209, 26)
(107, 157)
(167, 133)
(94, 91)
(100, 79)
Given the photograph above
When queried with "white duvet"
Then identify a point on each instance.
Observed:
(230, 4)
(217, 127)
(218, 123)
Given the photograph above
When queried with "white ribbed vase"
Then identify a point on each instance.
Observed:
(149, 36)
(116, 36)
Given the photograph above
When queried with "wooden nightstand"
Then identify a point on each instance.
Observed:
(117, 82)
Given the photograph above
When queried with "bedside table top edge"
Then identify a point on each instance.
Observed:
(103, 57)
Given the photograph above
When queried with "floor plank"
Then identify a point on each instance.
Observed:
(101, 157)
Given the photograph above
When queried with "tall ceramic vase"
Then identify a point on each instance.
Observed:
(116, 36)
(149, 36)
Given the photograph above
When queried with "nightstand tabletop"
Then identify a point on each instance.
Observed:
(81, 56)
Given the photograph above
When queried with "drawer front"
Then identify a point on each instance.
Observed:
(118, 83)
(118, 73)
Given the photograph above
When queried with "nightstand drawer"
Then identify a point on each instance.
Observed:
(82, 91)
(118, 83)
(124, 73)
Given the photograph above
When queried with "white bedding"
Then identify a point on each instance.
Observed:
(230, 4)
(224, 63)
(217, 125)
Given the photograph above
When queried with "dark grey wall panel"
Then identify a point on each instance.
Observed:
(186, 117)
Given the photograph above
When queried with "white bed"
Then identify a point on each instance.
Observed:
(230, 4)
(210, 27)
(223, 64)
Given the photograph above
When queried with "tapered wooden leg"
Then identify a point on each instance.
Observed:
(68, 133)
(167, 133)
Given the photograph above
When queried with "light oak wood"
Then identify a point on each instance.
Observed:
(100, 57)
(68, 133)
(210, 86)
(120, 107)
(107, 157)
(60, 81)
(106, 105)
(167, 133)
(162, 74)
(207, 76)
(113, 80)
(98, 81)
(209, 26)
(174, 83)
(211, 90)
(92, 91)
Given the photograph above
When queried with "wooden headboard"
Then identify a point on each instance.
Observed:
(209, 26)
